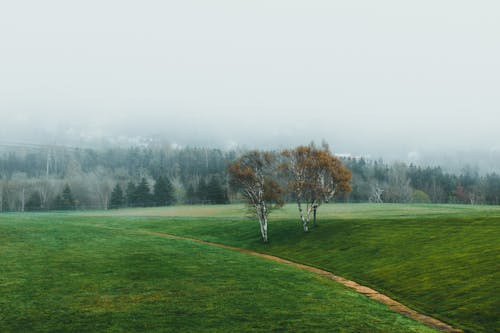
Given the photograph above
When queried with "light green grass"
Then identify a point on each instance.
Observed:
(63, 273)
(350, 211)
(440, 259)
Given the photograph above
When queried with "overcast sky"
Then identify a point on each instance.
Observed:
(368, 76)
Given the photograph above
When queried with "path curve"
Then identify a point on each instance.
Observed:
(371, 293)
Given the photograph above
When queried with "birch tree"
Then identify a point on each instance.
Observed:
(251, 175)
(314, 176)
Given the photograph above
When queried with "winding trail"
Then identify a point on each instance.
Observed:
(371, 293)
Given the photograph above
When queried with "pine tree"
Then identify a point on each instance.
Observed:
(34, 202)
(143, 194)
(163, 194)
(65, 200)
(130, 195)
(117, 199)
(216, 194)
(190, 196)
(202, 192)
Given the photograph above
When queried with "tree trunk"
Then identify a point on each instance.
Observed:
(263, 222)
(315, 208)
(22, 200)
(263, 229)
(301, 213)
(307, 219)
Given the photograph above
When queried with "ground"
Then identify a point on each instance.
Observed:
(93, 271)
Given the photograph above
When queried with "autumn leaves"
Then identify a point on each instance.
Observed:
(310, 175)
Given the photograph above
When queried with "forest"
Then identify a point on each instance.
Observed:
(58, 178)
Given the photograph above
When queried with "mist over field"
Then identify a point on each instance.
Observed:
(249, 166)
(387, 79)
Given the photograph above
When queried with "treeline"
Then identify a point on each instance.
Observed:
(56, 178)
(375, 181)
(48, 178)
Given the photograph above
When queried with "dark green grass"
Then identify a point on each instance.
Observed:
(441, 260)
(75, 274)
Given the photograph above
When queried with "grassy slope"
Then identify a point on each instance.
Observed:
(443, 260)
(62, 274)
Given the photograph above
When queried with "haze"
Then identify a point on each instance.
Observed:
(369, 77)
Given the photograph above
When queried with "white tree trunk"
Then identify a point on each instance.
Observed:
(263, 229)
(23, 200)
(301, 213)
(305, 222)
(262, 214)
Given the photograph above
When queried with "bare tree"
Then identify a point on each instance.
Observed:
(398, 187)
(251, 175)
(102, 186)
(376, 193)
(314, 176)
(19, 182)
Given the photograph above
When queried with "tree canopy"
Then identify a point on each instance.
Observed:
(314, 176)
(252, 175)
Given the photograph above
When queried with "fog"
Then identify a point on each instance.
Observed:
(384, 78)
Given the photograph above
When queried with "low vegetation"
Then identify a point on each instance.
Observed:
(441, 260)
(67, 273)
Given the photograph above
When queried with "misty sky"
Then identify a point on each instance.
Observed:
(368, 76)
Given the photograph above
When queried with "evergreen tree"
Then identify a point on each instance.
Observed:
(4, 203)
(163, 194)
(143, 194)
(34, 202)
(117, 199)
(202, 192)
(130, 195)
(190, 196)
(65, 200)
(67, 197)
(216, 194)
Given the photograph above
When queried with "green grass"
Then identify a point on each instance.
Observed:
(64, 273)
(365, 211)
(440, 259)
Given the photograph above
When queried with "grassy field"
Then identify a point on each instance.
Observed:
(63, 273)
(72, 270)
(440, 259)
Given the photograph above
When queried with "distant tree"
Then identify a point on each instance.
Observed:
(101, 181)
(493, 189)
(314, 176)
(190, 195)
(131, 195)
(376, 193)
(2, 196)
(117, 198)
(163, 192)
(251, 174)
(398, 187)
(45, 188)
(143, 193)
(420, 196)
(67, 197)
(65, 200)
(34, 202)
(469, 187)
(215, 192)
(202, 191)
(461, 195)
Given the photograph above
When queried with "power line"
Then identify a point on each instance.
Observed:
(14, 144)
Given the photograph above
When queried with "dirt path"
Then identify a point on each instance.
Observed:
(373, 294)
